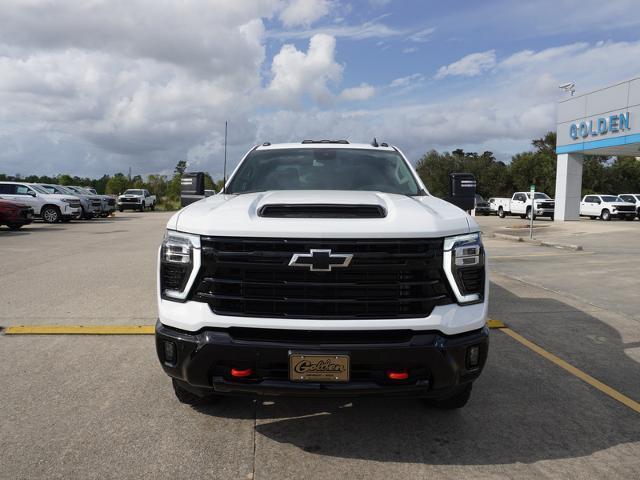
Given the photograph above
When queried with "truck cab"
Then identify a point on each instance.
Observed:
(324, 268)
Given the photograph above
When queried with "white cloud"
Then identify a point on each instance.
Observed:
(303, 12)
(409, 50)
(369, 29)
(362, 92)
(406, 81)
(423, 35)
(297, 73)
(469, 66)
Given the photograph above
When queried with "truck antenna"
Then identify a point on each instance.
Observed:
(224, 174)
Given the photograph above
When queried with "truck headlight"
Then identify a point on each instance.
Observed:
(463, 263)
(179, 264)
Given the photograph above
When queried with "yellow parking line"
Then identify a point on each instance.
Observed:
(80, 330)
(607, 390)
(495, 324)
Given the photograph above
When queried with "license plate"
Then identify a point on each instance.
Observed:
(318, 368)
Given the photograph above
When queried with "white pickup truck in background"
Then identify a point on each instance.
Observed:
(520, 204)
(136, 199)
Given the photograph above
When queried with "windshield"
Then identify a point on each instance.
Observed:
(540, 196)
(40, 189)
(479, 198)
(324, 169)
(611, 198)
(81, 190)
(133, 192)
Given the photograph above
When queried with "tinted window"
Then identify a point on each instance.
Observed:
(610, 198)
(7, 188)
(589, 199)
(133, 192)
(22, 190)
(324, 169)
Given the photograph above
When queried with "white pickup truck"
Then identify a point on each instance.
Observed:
(607, 207)
(136, 199)
(325, 268)
(520, 204)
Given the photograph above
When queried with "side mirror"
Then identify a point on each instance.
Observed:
(32, 193)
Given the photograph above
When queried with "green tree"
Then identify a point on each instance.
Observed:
(181, 167)
(117, 184)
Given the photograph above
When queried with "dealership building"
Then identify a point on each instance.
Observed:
(603, 122)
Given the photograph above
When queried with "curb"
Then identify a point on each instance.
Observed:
(514, 238)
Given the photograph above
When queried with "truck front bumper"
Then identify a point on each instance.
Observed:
(438, 365)
(544, 212)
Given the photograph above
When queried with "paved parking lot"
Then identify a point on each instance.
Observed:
(100, 406)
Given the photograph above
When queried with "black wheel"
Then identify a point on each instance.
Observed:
(551, 217)
(141, 208)
(592, 218)
(14, 226)
(153, 207)
(501, 212)
(458, 400)
(50, 214)
(529, 213)
(185, 396)
(605, 215)
(120, 209)
(84, 215)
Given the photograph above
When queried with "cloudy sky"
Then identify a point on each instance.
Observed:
(94, 87)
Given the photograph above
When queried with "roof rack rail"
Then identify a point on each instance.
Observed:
(343, 142)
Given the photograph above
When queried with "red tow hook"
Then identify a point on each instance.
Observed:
(238, 373)
(398, 374)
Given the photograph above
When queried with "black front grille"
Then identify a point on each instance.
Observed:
(625, 208)
(96, 203)
(111, 202)
(385, 279)
(322, 211)
(546, 205)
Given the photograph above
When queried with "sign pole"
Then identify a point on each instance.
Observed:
(532, 211)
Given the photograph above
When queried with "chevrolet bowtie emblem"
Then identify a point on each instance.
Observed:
(321, 260)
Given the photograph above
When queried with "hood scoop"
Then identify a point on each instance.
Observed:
(321, 210)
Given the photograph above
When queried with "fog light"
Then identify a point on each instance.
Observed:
(473, 356)
(398, 375)
(238, 373)
(170, 353)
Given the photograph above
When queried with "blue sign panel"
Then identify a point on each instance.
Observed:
(600, 126)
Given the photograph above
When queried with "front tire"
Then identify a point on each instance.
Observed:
(454, 402)
(529, 213)
(605, 215)
(153, 207)
(50, 214)
(14, 226)
(501, 213)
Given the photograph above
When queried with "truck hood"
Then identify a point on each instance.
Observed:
(405, 217)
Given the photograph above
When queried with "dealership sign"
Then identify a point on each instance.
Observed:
(600, 126)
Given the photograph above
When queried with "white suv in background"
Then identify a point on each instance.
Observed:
(51, 208)
(632, 198)
(606, 207)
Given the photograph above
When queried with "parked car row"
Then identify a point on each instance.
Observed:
(22, 202)
(624, 206)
